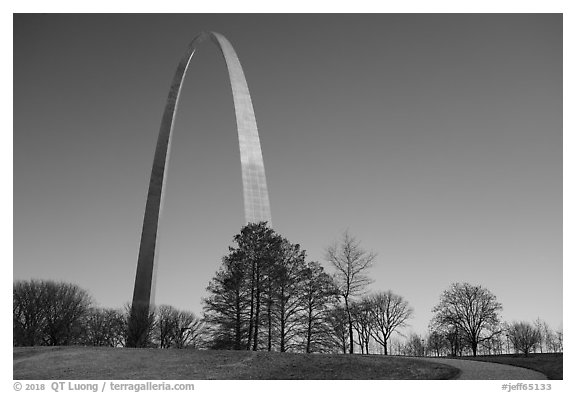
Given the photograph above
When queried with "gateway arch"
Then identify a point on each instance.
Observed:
(256, 202)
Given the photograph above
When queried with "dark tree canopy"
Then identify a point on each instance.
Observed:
(265, 295)
(284, 295)
(240, 291)
(226, 307)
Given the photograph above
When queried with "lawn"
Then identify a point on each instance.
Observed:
(550, 364)
(166, 364)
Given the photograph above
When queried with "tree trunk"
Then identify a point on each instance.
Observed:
(269, 315)
(350, 330)
(309, 331)
(257, 310)
(269, 332)
(238, 331)
(282, 323)
(251, 320)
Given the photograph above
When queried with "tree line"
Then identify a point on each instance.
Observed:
(54, 313)
(518, 337)
(266, 295)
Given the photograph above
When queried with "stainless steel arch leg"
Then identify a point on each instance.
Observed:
(256, 202)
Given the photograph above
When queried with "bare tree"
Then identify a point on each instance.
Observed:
(318, 294)
(389, 312)
(553, 339)
(351, 263)
(560, 339)
(539, 327)
(363, 321)
(28, 312)
(524, 336)
(177, 329)
(117, 325)
(455, 337)
(48, 312)
(67, 306)
(165, 326)
(437, 342)
(104, 327)
(493, 344)
(396, 346)
(336, 323)
(188, 330)
(470, 310)
(415, 345)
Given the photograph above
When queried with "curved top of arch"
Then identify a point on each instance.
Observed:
(256, 201)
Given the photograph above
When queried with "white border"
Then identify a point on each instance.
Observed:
(301, 6)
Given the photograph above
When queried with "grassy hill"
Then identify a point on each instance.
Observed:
(131, 363)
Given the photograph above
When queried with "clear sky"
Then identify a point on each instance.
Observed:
(435, 139)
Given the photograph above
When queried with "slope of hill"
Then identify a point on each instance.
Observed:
(129, 363)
